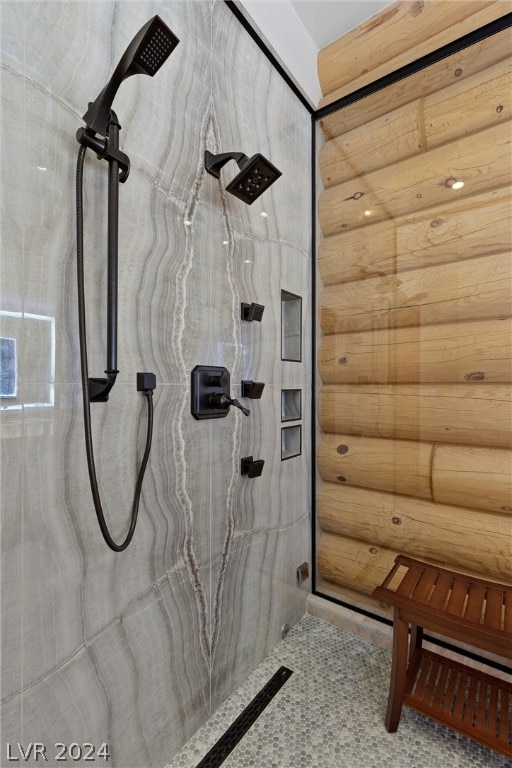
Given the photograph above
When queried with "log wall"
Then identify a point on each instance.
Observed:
(399, 34)
(416, 309)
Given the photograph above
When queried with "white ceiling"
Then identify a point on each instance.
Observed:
(326, 20)
(295, 30)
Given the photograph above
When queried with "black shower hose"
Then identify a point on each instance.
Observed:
(85, 381)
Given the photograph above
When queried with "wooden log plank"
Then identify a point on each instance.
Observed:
(482, 161)
(468, 227)
(464, 107)
(465, 414)
(472, 289)
(353, 598)
(355, 564)
(398, 34)
(356, 255)
(471, 476)
(466, 538)
(382, 142)
(455, 68)
(456, 352)
(398, 466)
(493, 11)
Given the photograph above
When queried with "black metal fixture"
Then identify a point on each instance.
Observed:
(210, 398)
(148, 50)
(252, 312)
(256, 173)
(252, 389)
(302, 572)
(251, 467)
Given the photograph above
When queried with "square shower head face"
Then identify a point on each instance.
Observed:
(156, 46)
(256, 176)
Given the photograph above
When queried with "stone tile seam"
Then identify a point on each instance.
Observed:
(128, 612)
(41, 88)
(246, 534)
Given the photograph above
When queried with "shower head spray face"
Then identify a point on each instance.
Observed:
(148, 50)
(256, 173)
(256, 176)
(156, 46)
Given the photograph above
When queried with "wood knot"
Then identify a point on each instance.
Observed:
(342, 479)
(342, 361)
(475, 376)
(507, 509)
(419, 195)
(342, 449)
(436, 223)
(396, 520)
(420, 5)
(373, 550)
(499, 108)
(458, 72)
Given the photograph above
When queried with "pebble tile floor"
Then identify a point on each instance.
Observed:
(330, 713)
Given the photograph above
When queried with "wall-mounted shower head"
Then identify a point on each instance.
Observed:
(148, 50)
(256, 174)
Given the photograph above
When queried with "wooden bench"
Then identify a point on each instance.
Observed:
(464, 608)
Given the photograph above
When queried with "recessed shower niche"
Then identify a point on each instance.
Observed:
(291, 404)
(291, 442)
(291, 327)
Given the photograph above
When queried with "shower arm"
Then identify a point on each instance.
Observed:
(213, 163)
(119, 169)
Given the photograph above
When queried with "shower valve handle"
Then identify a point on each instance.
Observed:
(240, 407)
(223, 402)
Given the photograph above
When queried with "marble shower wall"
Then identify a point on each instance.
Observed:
(137, 649)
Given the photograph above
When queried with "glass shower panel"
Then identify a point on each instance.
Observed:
(414, 326)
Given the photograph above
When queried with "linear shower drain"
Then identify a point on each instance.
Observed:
(245, 719)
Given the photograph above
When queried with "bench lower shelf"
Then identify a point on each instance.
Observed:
(476, 704)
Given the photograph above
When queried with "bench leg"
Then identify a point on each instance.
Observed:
(398, 671)
(416, 640)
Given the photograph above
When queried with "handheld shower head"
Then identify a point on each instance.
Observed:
(255, 177)
(148, 50)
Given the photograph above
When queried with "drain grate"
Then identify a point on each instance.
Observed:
(245, 719)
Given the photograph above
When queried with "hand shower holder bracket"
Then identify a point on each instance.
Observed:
(99, 389)
(105, 149)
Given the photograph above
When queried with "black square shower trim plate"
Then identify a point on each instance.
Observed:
(207, 380)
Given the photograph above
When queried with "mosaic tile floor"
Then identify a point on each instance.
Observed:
(330, 713)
